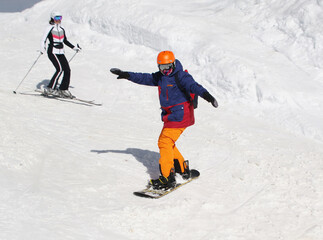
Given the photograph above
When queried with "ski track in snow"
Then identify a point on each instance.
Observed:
(68, 170)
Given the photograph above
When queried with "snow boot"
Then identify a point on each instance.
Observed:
(163, 182)
(187, 173)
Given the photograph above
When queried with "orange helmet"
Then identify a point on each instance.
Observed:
(165, 57)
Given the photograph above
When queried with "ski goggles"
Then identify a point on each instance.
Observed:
(163, 67)
(57, 18)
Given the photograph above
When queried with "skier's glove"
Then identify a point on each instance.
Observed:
(208, 97)
(42, 50)
(121, 74)
(77, 48)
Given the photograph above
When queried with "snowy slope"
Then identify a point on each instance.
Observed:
(67, 171)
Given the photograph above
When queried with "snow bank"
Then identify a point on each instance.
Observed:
(68, 171)
(267, 53)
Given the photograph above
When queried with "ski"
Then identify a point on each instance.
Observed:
(86, 102)
(74, 99)
(155, 194)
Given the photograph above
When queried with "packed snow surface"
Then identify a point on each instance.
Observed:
(68, 171)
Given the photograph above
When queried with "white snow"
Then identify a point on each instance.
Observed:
(67, 171)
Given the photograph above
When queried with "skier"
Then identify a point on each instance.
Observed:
(177, 113)
(57, 38)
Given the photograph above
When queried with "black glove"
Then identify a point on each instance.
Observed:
(120, 73)
(208, 97)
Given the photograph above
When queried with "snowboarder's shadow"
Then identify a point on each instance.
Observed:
(148, 158)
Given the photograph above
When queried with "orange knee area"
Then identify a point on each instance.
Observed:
(166, 169)
(168, 150)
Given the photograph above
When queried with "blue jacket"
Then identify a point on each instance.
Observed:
(177, 112)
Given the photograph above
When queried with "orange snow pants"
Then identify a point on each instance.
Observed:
(168, 151)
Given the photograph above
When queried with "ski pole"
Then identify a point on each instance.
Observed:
(75, 53)
(70, 60)
(72, 57)
(27, 73)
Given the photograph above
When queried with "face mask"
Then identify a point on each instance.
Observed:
(166, 69)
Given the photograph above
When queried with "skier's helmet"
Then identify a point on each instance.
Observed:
(55, 14)
(166, 62)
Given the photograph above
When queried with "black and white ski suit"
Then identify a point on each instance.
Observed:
(57, 38)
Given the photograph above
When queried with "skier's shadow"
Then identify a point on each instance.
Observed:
(45, 83)
(42, 84)
(148, 158)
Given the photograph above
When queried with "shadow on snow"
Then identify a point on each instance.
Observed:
(148, 158)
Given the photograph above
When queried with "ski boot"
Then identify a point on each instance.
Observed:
(49, 92)
(187, 173)
(163, 182)
(65, 94)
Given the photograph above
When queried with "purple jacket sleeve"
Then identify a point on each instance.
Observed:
(144, 78)
(190, 85)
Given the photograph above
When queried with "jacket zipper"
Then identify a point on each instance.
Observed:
(59, 37)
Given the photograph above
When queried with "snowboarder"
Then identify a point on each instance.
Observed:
(177, 112)
(55, 51)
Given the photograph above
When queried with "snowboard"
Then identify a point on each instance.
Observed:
(149, 192)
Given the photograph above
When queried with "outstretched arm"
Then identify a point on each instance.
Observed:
(192, 86)
(121, 74)
(139, 78)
